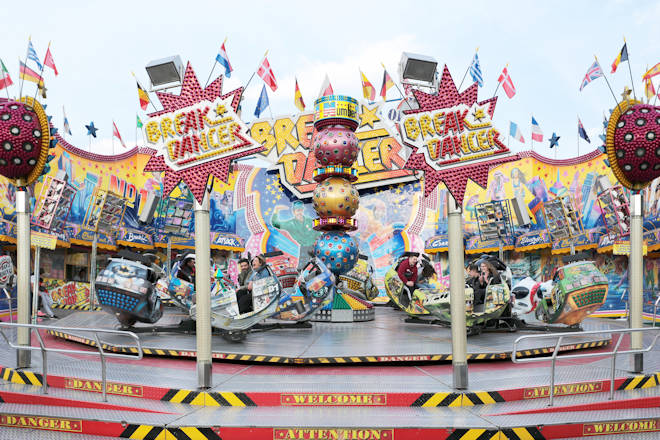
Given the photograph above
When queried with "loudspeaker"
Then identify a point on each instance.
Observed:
(149, 208)
(520, 210)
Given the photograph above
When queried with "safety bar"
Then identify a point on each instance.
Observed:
(95, 331)
(9, 299)
(560, 336)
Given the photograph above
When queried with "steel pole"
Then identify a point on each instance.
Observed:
(203, 291)
(457, 295)
(23, 276)
(92, 273)
(168, 260)
(636, 278)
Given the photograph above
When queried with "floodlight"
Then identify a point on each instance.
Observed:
(417, 69)
(165, 73)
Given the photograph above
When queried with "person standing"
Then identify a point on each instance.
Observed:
(407, 272)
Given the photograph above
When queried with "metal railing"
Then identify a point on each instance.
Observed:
(560, 337)
(34, 328)
(655, 309)
(9, 299)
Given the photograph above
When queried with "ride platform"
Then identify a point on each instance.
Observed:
(387, 339)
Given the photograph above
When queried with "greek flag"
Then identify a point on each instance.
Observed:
(32, 55)
(475, 71)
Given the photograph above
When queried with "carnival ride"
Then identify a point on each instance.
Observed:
(359, 281)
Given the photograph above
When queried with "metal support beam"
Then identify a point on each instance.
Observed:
(457, 294)
(203, 291)
(23, 357)
(636, 277)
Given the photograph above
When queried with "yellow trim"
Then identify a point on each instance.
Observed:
(135, 245)
(577, 248)
(617, 112)
(8, 238)
(45, 139)
(436, 250)
(227, 248)
(533, 247)
(490, 249)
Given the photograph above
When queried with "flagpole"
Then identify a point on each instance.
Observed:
(6, 88)
(498, 82)
(136, 127)
(113, 137)
(145, 91)
(608, 84)
(632, 82)
(249, 80)
(467, 70)
(27, 52)
(403, 97)
(213, 68)
(578, 137)
(41, 77)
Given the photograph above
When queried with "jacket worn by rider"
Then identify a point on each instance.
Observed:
(243, 277)
(407, 272)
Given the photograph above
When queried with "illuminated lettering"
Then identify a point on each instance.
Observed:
(166, 128)
(439, 122)
(283, 135)
(482, 140)
(260, 132)
(153, 132)
(425, 126)
(371, 155)
(305, 129)
(412, 128)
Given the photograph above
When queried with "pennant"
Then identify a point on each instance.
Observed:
(623, 56)
(115, 133)
(28, 74)
(387, 84)
(594, 72)
(266, 73)
(537, 134)
(5, 79)
(262, 103)
(507, 84)
(49, 61)
(582, 132)
(143, 96)
(139, 123)
(515, 132)
(475, 71)
(649, 90)
(298, 99)
(32, 55)
(326, 87)
(67, 128)
(653, 71)
(223, 59)
(368, 90)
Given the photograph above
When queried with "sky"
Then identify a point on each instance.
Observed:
(548, 46)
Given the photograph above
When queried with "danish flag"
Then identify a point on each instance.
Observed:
(266, 73)
(507, 84)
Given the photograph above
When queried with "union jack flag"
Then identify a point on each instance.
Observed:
(594, 72)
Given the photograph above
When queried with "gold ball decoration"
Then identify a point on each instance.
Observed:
(335, 197)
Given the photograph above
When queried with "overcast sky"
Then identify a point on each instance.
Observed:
(549, 47)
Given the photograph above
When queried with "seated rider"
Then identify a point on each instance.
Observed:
(259, 271)
(407, 272)
(477, 283)
(187, 269)
(243, 296)
(425, 272)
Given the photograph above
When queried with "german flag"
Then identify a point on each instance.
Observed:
(298, 99)
(28, 74)
(143, 96)
(387, 84)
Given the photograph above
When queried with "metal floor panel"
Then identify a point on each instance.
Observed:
(387, 335)
(575, 417)
(38, 434)
(635, 436)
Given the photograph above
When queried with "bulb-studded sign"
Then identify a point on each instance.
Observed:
(197, 134)
(452, 137)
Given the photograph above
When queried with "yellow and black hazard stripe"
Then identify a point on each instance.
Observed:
(147, 432)
(185, 396)
(74, 307)
(481, 398)
(636, 382)
(152, 351)
(228, 399)
(22, 377)
(438, 399)
(486, 356)
(475, 434)
(549, 350)
(528, 433)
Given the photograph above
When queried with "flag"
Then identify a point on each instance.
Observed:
(115, 133)
(387, 84)
(368, 91)
(475, 71)
(298, 99)
(32, 55)
(143, 96)
(507, 84)
(67, 128)
(223, 59)
(49, 61)
(262, 103)
(515, 132)
(28, 74)
(594, 72)
(582, 132)
(326, 87)
(5, 79)
(266, 73)
(649, 90)
(623, 56)
(139, 123)
(653, 71)
(537, 134)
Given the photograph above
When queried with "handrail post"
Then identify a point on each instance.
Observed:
(103, 371)
(613, 367)
(44, 362)
(552, 375)
(655, 309)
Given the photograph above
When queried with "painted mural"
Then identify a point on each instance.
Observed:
(263, 208)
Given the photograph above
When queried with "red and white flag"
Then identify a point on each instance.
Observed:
(507, 84)
(115, 133)
(49, 61)
(266, 73)
(326, 87)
